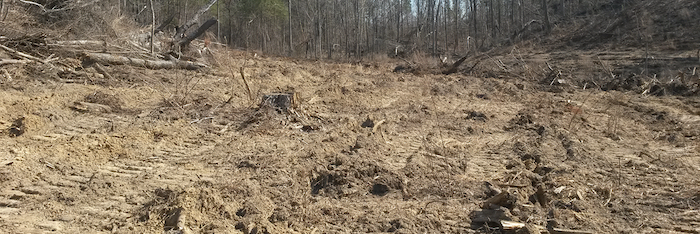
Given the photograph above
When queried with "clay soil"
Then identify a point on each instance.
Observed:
(364, 149)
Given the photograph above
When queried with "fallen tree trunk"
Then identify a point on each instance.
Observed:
(455, 66)
(21, 55)
(103, 58)
(185, 41)
(80, 43)
(180, 32)
(165, 23)
(13, 61)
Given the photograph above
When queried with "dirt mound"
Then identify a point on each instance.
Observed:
(519, 139)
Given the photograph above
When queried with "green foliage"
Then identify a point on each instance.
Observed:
(270, 9)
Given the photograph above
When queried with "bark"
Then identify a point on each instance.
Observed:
(103, 58)
(291, 43)
(165, 23)
(13, 61)
(547, 24)
(22, 55)
(186, 40)
(153, 24)
(182, 29)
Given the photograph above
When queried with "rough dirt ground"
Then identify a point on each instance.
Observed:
(365, 150)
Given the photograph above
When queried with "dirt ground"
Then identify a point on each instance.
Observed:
(535, 137)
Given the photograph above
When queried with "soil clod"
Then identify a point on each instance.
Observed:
(17, 128)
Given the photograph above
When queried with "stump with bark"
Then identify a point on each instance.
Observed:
(281, 102)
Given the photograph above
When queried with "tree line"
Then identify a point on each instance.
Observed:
(332, 29)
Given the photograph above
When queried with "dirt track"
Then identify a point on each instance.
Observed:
(163, 151)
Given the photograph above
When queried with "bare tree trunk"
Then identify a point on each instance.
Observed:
(186, 40)
(444, 25)
(2, 9)
(153, 24)
(218, 25)
(291, 44)
(474, 16)
(319, 31)
(499, 22)
(512, 15)
(545, 10)
(182, 29)
(457, 34)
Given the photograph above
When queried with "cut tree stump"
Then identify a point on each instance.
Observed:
(281, 102)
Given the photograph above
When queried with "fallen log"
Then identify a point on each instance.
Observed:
(20, 54)
(13, 61)
(101, 69)
(454, 67)
(91, 107)
(103, 58)
(180, 32)
(186, 40)
(80, 43)
(165, 23)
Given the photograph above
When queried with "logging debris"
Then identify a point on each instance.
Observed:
(104, 58)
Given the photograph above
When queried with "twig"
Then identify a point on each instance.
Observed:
(612, 75)
(472, 68)
(580, 110)
(34, 3)
(200, 120)
(433, 155)
(50, 59)
(247, 88)
(7, 75)
(376, 126)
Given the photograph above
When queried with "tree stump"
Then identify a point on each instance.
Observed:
(281, 102)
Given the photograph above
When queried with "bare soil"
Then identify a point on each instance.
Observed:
(364, 149)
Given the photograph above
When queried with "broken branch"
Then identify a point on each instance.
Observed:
(20, 54)
(182, 29)
(511, 225)
(197, 33)
(13, 61)
(454, 67)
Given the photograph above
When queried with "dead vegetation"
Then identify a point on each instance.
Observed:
(516, 140)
